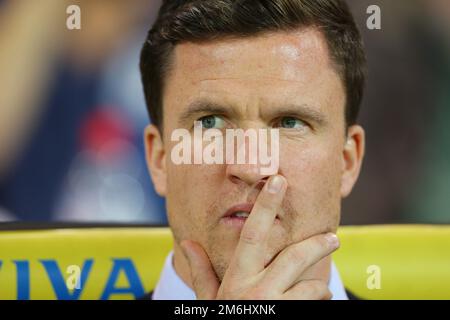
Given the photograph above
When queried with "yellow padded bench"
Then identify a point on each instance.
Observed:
(375, 262)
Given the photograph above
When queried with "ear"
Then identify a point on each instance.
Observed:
(156, 158)
(352, 157)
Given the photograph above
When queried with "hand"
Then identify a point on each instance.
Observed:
(247, 277)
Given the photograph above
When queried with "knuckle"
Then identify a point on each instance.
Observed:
(251, 237)
(297, 254)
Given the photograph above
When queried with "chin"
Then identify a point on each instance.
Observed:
(221, 254)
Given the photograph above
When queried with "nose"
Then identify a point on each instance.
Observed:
(247, 163)
(248, 174)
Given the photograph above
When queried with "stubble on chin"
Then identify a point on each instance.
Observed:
(220, 243)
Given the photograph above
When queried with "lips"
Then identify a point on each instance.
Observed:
(239, 211)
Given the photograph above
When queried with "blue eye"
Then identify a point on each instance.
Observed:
(291, 123)
(210, 122)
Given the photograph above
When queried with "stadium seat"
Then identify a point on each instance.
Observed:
(111, 262)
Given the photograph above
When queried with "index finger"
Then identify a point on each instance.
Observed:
(249, 256)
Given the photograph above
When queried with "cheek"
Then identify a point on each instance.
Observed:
(189, 191)
(313, 174)
(310, 166)
(183, 202)
(192, 179)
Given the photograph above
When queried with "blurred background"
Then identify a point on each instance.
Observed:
(72, 114)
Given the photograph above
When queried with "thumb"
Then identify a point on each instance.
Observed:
(203, 277)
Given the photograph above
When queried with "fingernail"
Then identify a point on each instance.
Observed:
(332, 240)
(275, 184)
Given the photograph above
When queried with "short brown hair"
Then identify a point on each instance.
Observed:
(204, 20)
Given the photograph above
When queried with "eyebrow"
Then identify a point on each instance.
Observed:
(206, 107)
(203, 107)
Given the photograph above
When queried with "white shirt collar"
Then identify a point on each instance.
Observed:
(171, 287)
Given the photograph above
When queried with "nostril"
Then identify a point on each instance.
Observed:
(235, 179)
(255, 189)
(260, 184)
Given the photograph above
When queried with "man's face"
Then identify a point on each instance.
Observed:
(282, 80)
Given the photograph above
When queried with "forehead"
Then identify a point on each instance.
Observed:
(266, 69)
